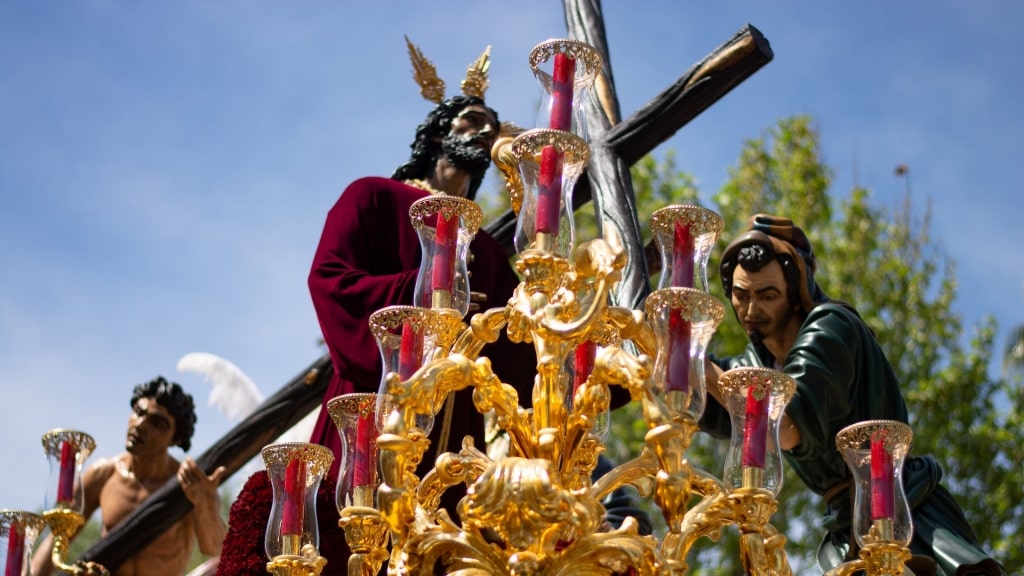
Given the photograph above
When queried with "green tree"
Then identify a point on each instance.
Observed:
(884, 261)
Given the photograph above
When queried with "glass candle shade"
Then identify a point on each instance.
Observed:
(67, 451)
(683, 319)
(445, 225)
(685, 236)
(18, 533)
(550, 162)
(756, 400)
(295, 470)
(566, 70)
(355, 417)
(407, 337)
(874, 451)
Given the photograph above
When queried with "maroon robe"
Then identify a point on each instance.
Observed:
(368, 258)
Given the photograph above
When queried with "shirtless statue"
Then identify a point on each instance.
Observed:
(163, 415)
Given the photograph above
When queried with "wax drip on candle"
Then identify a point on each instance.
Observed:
(682, 256)
(883, 497)
(755, 427)
(561, 92)
(66, 480)
(410, 351)
(15, 550)
(586, 353)
(294, 506)
(446, 238)
(549, 190)
(365, 464)
(677, 378)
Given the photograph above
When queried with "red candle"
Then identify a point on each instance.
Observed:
(883, 497)
(446, 238)
(584, 363)
(410, 351)
(755, 428)
(66, 481)
(294, 497)
(678, 377)
(561, 93)
(365, 457)
(682, 257)
(549, 190)
(15, 550)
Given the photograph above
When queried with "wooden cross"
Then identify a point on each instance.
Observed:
(614, 145)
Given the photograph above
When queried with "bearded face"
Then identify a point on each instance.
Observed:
(760, 303)
(469, 152)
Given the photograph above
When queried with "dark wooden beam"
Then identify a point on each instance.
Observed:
(695, 91)
(168, 505)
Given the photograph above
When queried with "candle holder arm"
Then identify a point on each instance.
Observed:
(704, 519)
(638, 473)
(630, 325)
(484, 328)
(451, 469)
(597, 268)
(427, 389)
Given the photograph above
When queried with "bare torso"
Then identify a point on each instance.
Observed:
(121, 494)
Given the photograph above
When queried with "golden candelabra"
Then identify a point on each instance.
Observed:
(536, 509)
(68, 450)
(874, 451)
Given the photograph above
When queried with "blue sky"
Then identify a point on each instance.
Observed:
(165, 167)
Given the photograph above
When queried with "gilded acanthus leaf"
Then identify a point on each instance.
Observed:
(425, 74)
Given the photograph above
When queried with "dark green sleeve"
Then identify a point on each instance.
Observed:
(823, 361)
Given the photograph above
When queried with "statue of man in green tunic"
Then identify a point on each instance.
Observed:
(843, 377)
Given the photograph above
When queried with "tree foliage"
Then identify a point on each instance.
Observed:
(884, 261)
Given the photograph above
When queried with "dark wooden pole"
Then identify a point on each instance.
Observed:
(168, 505)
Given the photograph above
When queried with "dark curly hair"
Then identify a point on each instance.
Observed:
(752, 258)
(170, 395)
(427, 146)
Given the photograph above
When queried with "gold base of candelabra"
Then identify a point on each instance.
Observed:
(367, 534)
(876, 559)
(762, 548)
(307, 563)
(63, 524)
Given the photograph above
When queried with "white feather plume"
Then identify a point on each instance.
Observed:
(233, 393)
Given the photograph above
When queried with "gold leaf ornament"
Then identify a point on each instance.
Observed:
(425, 74)
(432, 87)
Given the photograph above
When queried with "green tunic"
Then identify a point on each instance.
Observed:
(842, 378)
